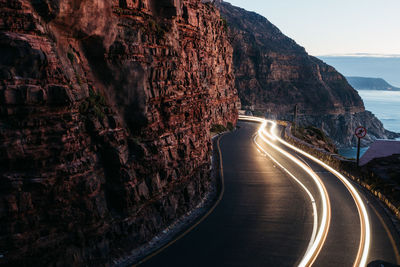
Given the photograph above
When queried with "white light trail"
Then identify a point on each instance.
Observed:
(316, 246)
(313, 202)
(365, 239)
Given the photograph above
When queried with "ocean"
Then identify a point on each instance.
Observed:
(387, 68)
(386, 106)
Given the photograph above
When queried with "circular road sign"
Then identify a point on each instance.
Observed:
(361, 132)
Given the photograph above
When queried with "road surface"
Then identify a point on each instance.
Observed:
(266, 217)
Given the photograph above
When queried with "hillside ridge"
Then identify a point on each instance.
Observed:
(273, 74)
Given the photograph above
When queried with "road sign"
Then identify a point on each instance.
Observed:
(361, 132)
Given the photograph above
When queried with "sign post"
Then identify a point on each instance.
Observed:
(361, 132)
(295, 119)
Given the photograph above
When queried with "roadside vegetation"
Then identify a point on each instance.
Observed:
(225, 24)
(218, 128)
(381, 176)
(316, 137)
(95, 104)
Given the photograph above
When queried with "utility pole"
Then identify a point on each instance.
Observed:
(295, 119)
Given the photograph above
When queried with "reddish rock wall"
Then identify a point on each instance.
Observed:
(105, 111)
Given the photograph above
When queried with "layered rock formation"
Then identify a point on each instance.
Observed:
(105, 111)
(273, 74)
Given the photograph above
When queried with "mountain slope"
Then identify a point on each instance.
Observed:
(273, 74)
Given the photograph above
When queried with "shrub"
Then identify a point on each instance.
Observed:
(229, 126)
(217, 128)
(71, 57)
(318, 132)
(94, 104)
(258, 113)
(224, 24)
(155, 27)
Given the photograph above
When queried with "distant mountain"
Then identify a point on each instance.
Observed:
(364, 83)
(368, 55)
(386, 67)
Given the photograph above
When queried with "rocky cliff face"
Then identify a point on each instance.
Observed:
(273, 74)
(341, 127)
(105, 111)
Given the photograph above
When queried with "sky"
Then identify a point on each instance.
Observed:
(333, 27)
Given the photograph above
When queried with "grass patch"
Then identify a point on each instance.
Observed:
(94, 104)
(315, 136)
(78, 79)
(310, 130)
(258, 113)
(225, 24)
(317, 132)
(71, 57)
(218, 128)
(230, 126)
(118, 10)
(160, 30)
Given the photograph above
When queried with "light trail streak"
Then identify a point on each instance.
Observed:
(365, 239)
(312, 252)
(313, 202)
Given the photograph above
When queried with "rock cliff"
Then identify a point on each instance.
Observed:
(105, 112)
(273, 73)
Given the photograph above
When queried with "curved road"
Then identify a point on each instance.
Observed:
(266, 218)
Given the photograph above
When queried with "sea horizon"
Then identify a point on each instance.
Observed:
(367, 65)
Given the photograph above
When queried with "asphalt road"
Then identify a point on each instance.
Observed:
(341, 245)
(265, 218)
